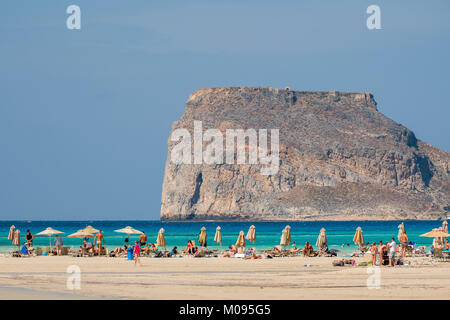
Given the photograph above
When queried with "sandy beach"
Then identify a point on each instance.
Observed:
(218, 278)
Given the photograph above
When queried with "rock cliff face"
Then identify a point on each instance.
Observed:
(339, 159)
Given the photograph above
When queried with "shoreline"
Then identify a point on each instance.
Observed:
(221, 278)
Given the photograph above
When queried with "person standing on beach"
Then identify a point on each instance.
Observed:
(99, 239)
(392, 247)
(29, 237)
(58, 244)
(136, 253)
(381, 249)
(143, 239)
(373, 252)
(404, 243)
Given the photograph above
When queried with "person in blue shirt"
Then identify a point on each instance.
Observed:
(58, 244)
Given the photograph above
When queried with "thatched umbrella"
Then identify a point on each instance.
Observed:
(240, 243)
(322, 239)
(90, 229)
(435, 233)
(401, 230)
(11, 233)
(358, 238)
(251, 234)
(16, 238)
(161, 240)
(202, 237)
(128, 230)
(445, 229)
(288, 234)
(218, 236)
(49, 232)
(283, 241)
(81, 234)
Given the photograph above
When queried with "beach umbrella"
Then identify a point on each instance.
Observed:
(16, 238)
(435, 233)
(11, 233)
(288, 234)
(202, 237)
(241, 240)
(322, 239)
(284, 241)
(128, 230)
(251, 234)
(445, 226)
(81, 234)
(161, 241)
(49, 232)
(401, 230)
(218, 236)
(358, 238)
(90, 229)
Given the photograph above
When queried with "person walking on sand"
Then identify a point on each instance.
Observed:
(99, 239)
(136, 252)
(392, 247)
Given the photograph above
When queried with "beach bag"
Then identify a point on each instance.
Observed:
(338, 263)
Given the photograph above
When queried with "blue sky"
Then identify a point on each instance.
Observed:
(85, 114)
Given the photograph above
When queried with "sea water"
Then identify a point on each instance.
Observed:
(268, 234)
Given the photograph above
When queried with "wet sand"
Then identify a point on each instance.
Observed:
(219, 278)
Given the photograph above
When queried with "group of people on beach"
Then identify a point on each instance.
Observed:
(382, 253)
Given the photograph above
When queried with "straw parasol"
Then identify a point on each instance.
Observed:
(161, 241)
(358, 238)
(445, 226)
(288, 234)
(251, 234)
(81, 234)
(241, 240)
(401, 230)
(128, 230)
(90, 229)
(11, 233)
(218, 236)
(435, 234)
(202, 237)
(49, 232)
(16, 238)
(322, 239)
(284, 241)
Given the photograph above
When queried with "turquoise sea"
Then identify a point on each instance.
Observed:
(268, 233)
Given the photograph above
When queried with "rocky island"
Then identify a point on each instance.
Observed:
(339, 158)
